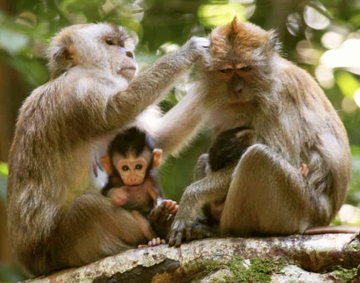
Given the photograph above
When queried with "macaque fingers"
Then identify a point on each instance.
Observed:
(304, 170)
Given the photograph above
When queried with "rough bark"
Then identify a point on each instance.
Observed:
(317, 258)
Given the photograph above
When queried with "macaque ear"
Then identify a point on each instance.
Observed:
(274, 41)
(106, 163)
(62, 56)
(157, 157)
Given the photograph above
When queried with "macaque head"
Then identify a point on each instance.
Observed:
(132, 155)
(240, 60)
(101, 47)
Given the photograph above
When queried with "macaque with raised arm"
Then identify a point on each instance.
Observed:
(56, 218)
(132, 183)
(244, 82)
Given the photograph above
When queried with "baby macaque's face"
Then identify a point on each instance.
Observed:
(132, 169)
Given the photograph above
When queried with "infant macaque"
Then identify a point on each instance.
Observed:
(132, 164)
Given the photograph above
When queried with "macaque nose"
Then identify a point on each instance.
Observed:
(237, 90)
(237, 86)
(129, 54)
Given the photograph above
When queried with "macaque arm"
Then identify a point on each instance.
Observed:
(154, 82)
(178, 125)
(152, 189)
(213, 187)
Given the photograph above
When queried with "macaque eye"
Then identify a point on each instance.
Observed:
(125, 168)
(109, 41)
(138, 167)
(246, 68)
(226, 71)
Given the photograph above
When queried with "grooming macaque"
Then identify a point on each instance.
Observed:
(132, 183)
(56, 219)
(244, 82)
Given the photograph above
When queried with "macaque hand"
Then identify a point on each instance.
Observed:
(304, 170)
(119, 196)
(180, 229)
(196, 47)
(152, 243)
(170, 207)
(163, 212)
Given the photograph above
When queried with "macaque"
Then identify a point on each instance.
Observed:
(243, 82)
(132, 183)
(56, 218)
(228, 148)
(131, 163)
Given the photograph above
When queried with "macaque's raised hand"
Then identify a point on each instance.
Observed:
(196, 47)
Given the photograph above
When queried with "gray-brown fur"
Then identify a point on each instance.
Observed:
(55, 221)
(294, 123)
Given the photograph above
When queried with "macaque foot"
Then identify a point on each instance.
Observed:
(304, 171)
(152, 243)
(188, 230)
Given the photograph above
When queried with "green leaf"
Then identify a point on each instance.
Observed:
(12, 41)
(347, 83)
(4, 170)
(355, 150)
(213, 15)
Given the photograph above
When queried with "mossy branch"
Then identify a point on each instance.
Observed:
(317, 258)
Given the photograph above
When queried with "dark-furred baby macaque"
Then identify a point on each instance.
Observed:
(132, 184)
(226, 150)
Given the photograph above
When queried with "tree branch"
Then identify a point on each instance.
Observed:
(317, 258)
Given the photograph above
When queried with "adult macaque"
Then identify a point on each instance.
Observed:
(54, 220)
(244, 82)
(132, 183)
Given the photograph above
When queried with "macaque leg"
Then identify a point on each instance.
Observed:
(144, 225)
(93, 228)
(269, 196)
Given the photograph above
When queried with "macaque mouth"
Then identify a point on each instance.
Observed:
(128, 68)
(134, 185)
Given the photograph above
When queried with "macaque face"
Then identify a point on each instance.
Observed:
(240, 61)
(132, 169)
(235, 76)
(112, 49)
(121, 51)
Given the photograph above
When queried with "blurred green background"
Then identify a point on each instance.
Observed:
(322, 37)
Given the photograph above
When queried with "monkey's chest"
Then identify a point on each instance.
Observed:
(228, 117)
(139, 199)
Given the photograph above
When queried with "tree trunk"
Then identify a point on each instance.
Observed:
(317, 258)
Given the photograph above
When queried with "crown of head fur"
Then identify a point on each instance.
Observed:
(241, 37)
